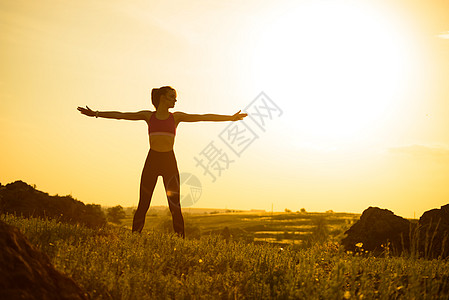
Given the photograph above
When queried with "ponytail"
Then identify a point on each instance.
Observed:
(155, 97)
(157, 93)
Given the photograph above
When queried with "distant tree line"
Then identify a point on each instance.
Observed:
(22, 199)
(116, 214)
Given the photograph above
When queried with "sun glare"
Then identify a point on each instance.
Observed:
(339, 66)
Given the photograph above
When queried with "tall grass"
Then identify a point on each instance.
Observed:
(113, 263)
(424, 242)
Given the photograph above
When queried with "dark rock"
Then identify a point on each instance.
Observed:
(26, 273)
(377, 228)
(433, 233)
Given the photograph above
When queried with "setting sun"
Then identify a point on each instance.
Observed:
(345, 64)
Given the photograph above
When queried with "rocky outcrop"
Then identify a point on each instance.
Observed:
(376, 230)
(433, 233)
(27, 273)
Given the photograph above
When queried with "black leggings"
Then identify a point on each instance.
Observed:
(164, 164)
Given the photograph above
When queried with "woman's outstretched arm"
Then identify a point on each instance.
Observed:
(134, 116)
(184, 117)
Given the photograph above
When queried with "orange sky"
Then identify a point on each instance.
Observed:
(361, 85)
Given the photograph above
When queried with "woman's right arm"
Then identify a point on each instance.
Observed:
(134, 116)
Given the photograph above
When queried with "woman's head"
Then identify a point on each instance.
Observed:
(167, 92)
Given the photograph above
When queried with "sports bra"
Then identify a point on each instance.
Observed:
(162, 127)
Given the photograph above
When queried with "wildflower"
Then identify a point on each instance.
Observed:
(347, 295)
(200, 260)
(359, 245)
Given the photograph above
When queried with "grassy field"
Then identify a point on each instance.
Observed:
(261, 227)
(113, 263)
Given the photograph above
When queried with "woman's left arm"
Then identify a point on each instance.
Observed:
(184, 117)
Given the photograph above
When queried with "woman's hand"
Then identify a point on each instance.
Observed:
(87, 111)
(238, 116)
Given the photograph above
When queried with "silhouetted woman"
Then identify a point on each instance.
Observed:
(161, 158)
